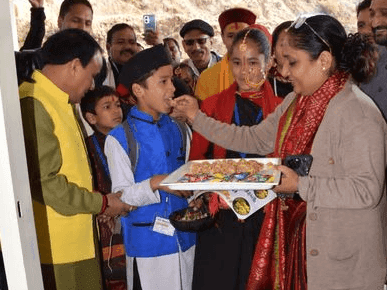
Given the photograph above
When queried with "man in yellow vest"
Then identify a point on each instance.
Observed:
(59, 172)
(219, 77)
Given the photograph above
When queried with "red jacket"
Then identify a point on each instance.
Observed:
(221, 107)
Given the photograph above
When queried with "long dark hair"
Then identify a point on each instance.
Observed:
(352, 53)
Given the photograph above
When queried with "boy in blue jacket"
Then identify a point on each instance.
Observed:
(140, 152)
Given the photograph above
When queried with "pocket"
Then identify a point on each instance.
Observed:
(343, 235)
(342, 246)
(342, 269)
(343, 256)
(343, 259)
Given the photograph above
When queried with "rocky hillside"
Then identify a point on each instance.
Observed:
(172, 14)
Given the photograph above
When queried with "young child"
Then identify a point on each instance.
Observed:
(101, 109)
(160, 256)
(245, 103)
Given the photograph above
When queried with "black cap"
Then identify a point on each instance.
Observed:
(197, 24)
(142, 63)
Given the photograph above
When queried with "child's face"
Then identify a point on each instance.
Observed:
(186, 76)
(156, 98)
(108, 114)
(248, 65)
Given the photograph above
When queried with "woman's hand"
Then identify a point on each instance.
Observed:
(289, 180)
(179, 116)
(187, 106)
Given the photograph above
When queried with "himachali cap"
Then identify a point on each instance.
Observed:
(142, 63)
(264, 30)
(197, 24)
(236, 15)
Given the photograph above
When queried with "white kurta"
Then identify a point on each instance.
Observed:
(120, 168)
(167, 272)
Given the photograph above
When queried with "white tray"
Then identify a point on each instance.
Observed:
(172, 180)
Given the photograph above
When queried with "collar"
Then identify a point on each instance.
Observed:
(135, 113)
(212, 62)
(100, 136)
(50, 87)
(115, 66)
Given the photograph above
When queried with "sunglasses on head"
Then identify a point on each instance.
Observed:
(200, 41)
(301, 20)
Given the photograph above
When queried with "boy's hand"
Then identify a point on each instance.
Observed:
(116, 206)
(156, 180)
(155, 184)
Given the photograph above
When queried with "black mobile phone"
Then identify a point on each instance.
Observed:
(299, 163)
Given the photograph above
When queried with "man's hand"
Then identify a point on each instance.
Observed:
(116, 206)
(151, 37)
(36, 3)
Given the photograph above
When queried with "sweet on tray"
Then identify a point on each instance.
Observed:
(225, 174)
(230, 170)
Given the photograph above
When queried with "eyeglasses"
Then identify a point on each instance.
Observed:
(200, 41)
(301, 20)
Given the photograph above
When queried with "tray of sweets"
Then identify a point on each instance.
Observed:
(225, 174)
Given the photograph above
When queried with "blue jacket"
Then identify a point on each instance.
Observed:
(160, 151)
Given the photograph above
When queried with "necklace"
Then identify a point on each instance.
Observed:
(255, 85)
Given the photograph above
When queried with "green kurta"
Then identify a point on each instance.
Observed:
(53, 179)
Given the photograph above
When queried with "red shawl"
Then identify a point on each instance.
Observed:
(280, 257)
(221, 107)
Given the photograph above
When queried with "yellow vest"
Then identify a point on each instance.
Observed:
(62, 239)
(214, 79)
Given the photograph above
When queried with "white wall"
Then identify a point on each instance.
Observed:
(17, 227)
